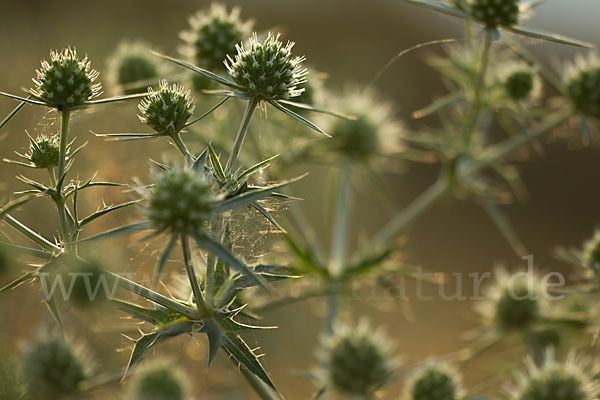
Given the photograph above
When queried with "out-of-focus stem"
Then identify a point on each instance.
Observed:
(241, 135)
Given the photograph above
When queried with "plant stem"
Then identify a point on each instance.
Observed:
(241, 135)
(261, 389)
(478, 89)
(189, 158)
(31, 235)
(62, 165)
(200, 303)
(339, 241)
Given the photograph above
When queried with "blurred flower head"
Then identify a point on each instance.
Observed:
(520, 81)
(159, 380)
(494, 13)
(66, 81)
(582, 79)
(435, 381)
(266, 69)
(132, 68)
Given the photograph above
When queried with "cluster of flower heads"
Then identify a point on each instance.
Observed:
(53, 369)
(167, 109)
(132, 67)
(435, 381)
(65, 81)
(359, 359)
(266, 69)
(572, 379)
(180, 200)
(159, 381)
(213, 35)
(583, 84)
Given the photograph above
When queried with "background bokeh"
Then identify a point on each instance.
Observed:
(350, 41)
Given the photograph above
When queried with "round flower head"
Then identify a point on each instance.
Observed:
(495, 13)
(514, 302)
(520, 82)
(583, 85)
(167, 109)
(159, 381)
(373, 131)
(358, 360)
(180, 200)
(266, 69)
(213, 34)
(435, 382)
(65, 81)
(132, 67)
(572, 379)
(44, 151)
(52, 369)
(591, 252)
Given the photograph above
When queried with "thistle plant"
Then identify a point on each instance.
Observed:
(201, 204)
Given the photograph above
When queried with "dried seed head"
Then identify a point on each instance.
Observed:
(573, 379)
(53, 369)
(180, 200)
(159, 381)
(583, 85)
(267, 69)
(213, 35)
(359, 360)
(372, 133)
(167, 109)
(495, 13)
(132, 67)
(514, 301)
(591, 253)
(44, 151)
(65, 81)
(435, 382)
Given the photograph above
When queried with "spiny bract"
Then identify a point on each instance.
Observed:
(132, 66)
(435, 382)
(44, 151)
(583, 85)
(572, 379)
(359, 360)
(52, 369)
(159, 381)
(213, 35)
(167, 109)
(180, 200)
(65, 81)
(267, 70)
(495, 13)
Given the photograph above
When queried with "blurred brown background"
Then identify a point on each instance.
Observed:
(351, 41)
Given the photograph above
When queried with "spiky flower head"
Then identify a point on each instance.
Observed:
(370, 130)
(180, 200)
(520, 82)
(435, 381)
(494, 13)
(213, 35)
(132, 67)
(583, 84)
(573, 379)
(359, 359)
(159, 381)
(44, 151)
(167, 109)
(514, 301)
(267, 69)
(66, 81)
(53, 369)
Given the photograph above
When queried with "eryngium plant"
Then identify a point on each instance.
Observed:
(435, 381)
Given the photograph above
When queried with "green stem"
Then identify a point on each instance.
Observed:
(200, 303)
(241, 135)
(31, 235)
(62, 165)
(339, 241)
(261, 389)
(479, 89)
(189, 158)
(52, 176)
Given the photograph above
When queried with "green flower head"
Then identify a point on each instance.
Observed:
(133, 67)
(521, 83)
(53, 369)
(493, 13)
(180, 200)
(572, 379)
(583, 85)
(167, 109)
(267, 69)
(435, 382)
(359, 360)
(65, 81)
(159, 381)
(44, 151)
